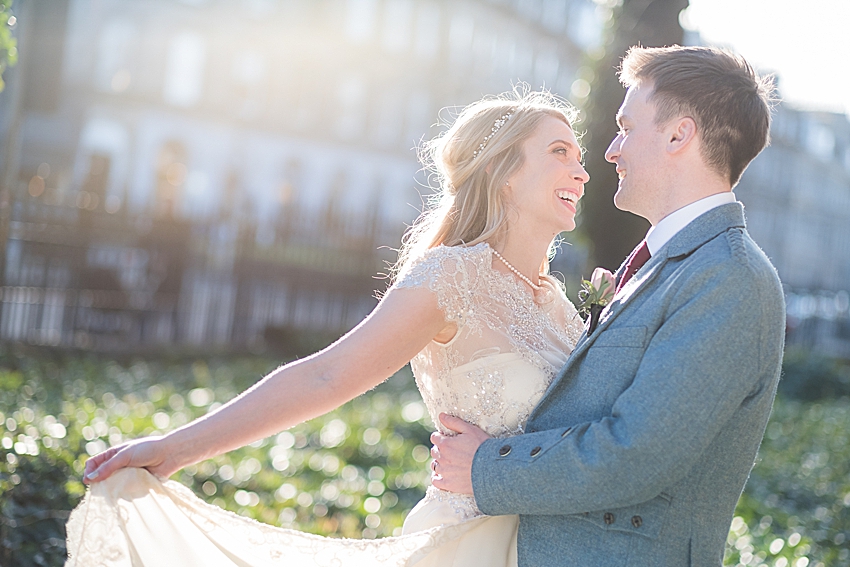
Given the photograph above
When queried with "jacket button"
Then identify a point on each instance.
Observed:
(609, 518)
(567, 432)
(535, 451)
(637, 521)
(505, 450)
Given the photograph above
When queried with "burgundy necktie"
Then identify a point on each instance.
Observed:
(638, 259)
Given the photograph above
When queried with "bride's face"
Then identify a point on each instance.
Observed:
(546, 190)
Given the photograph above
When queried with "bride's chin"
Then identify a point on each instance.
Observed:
(569, 227)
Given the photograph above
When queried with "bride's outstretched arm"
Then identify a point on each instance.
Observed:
(402, 324)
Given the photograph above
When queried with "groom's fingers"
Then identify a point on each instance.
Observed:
(453, 478)
(455, 424)
(455, 454)
(463, 428)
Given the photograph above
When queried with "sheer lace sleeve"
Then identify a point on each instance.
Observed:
(452, 273)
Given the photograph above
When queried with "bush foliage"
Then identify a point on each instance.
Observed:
(355, 472)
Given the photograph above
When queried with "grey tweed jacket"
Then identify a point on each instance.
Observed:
(640, 448)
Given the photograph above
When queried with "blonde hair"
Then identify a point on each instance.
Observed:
(468, 205)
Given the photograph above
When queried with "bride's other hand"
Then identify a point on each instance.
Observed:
(149, 453)
(453, 454)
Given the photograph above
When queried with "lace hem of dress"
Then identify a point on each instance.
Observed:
(463, 505)
(98, 534)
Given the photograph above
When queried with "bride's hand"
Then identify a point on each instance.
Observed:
(149, 453)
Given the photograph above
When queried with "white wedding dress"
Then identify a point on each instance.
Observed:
(507, 349)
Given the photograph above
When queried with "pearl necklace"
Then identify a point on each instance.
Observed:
(516, 272)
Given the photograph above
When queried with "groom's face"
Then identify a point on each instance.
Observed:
(638, 151)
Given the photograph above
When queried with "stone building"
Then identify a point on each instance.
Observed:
(797, 198)
(208, 172)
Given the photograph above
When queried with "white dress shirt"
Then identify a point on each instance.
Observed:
(669, 226)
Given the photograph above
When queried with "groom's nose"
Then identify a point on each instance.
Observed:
(613, 151)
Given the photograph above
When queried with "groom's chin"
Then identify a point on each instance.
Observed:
(627, 203)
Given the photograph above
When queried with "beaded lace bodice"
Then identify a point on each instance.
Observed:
(509, 343)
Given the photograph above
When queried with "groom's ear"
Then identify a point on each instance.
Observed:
(682, 132)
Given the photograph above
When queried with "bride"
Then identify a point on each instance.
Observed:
(472, 308)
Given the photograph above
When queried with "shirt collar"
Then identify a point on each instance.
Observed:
(669, 226)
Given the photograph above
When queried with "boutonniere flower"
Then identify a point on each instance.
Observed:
(594, 295)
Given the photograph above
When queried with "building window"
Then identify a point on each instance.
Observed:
(583, 24)
(545, 67)
(428, 35)
(114, 52)
(523, 61)
(554, 14)
(387, 118)
(820, 140)
(170, 179)
(360, 19)
(529, 8)
(418, 116)
(102, 163)
(94, 187)
(484, 46)
(249, 73)
(398, 16)
(184, 71)
(351, 95)
(460, 38)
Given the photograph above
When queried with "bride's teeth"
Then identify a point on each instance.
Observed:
(564, 196)
(621, 174)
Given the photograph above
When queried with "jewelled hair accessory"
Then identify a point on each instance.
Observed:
(496, 125)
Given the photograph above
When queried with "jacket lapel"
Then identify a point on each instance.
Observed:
(690, 238)
(640, 282)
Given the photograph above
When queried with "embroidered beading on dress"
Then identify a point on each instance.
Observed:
(509, 343)
(463, 505)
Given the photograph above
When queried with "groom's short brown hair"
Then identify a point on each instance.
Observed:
(729, 102)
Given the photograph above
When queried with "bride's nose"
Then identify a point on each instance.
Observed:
(581, 175)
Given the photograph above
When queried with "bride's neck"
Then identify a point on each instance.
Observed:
(523, 254)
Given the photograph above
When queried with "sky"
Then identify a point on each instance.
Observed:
(806, 44)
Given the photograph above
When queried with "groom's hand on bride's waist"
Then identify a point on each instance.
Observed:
(451, 468)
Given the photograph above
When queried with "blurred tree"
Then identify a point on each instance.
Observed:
(652, 23)
(8, 44)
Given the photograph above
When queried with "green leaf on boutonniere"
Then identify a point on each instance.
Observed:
(599, 290)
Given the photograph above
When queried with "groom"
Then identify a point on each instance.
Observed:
(639, 450)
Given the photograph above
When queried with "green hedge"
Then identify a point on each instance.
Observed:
(355, 472)
(795, 510)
